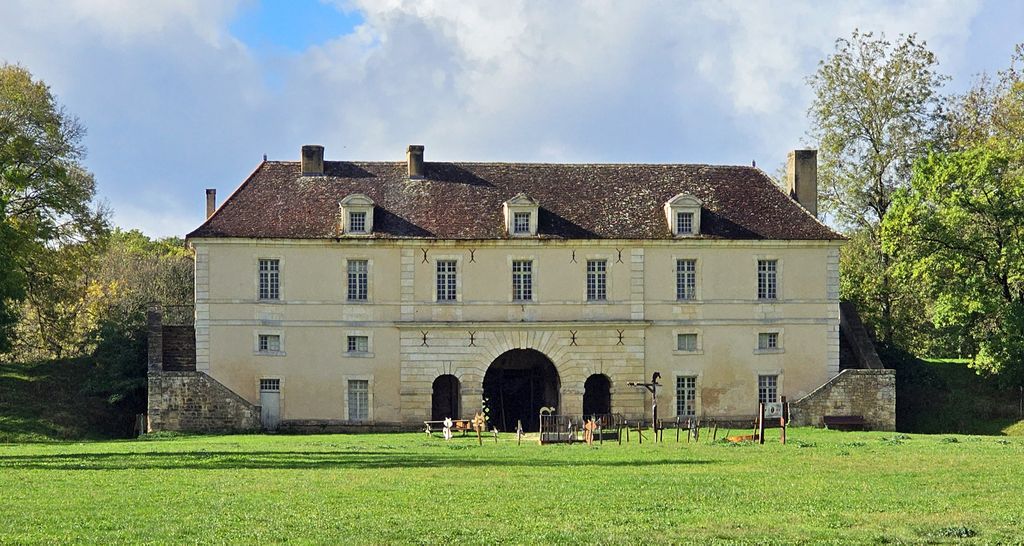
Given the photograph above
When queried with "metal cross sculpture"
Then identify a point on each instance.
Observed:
(652, 387)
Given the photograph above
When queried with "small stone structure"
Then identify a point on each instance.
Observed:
(183, 399)
(870, 394)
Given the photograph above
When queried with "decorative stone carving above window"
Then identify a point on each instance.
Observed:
(356, 215)
(521, 216)
(683, 215)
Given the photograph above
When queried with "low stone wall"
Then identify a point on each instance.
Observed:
(188, 401)
(870, 394)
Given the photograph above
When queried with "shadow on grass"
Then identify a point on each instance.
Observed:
(300, 460)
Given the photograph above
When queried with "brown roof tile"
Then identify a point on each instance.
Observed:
(463, 201)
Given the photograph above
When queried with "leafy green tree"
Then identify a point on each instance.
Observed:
(960, 231)
(46, 196)
(876, 109)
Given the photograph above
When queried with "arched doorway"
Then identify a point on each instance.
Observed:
(517, 384)
(444, 401)
(597, 395)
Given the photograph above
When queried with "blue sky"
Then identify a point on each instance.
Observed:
(181, 95)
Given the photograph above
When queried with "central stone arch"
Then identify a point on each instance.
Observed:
(517, 384)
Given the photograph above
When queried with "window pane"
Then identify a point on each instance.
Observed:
(522, 280)
(767, 279)
(686, 279)
(357, 280)
(686, 396)
(767, 389)
(269, 343)
(269, 279)
(768, 340)
(358, 344)
(446, 280)
(684, 223)
(270, 385)
(597, 280)
(520, 222)
(358, 399)
(686, 342)
(357, 222)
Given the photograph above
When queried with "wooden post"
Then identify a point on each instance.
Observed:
(677, 429)
(714, 435)
(782, 420)
(627, 431)
(760, 423)
(640, 432)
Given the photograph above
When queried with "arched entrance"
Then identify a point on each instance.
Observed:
(517, 384)
(444, 401)
(597, 395)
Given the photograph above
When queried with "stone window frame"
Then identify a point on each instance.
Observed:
(369, 279)
(697, 401)
(778, 278)
(779, 384)
(369, 397)
(280, 278)
(533, 278)
(356, 202)
(700, 341)
(521, 203)
(457, 258)
(268, 332)
(698, 274)
(780, 348)
(609, 284)
(355, 354)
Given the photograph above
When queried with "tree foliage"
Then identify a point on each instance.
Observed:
(960, 233)
(875, 110)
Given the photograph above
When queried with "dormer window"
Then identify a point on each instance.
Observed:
(356, 215)
(683, 215)
(521, 215)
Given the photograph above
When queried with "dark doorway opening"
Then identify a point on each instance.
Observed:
(444, 401)
(597, 395)
(517, 384)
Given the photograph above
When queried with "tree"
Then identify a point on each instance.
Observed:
(46, 196)
(960, 228)
(875, 110)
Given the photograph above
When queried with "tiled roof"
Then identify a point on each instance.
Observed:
(464, 201)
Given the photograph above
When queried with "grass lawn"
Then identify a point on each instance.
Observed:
(822, 487)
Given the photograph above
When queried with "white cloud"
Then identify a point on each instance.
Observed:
(174, 103)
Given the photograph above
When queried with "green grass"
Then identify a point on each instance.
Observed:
(46, 401)
(823, 486)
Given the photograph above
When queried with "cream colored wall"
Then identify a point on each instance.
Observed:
(314, 318)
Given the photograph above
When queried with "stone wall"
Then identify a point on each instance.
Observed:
(870, 394)
(179, 348)
(189, 401)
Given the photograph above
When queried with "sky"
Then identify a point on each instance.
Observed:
(182, 95)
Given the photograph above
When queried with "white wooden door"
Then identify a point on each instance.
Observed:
(270, 403)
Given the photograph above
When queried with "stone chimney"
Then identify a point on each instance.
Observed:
(802, 178)
(415, 157)
(312, 160)
(211, 202)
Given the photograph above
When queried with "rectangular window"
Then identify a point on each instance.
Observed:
(357, 222)
(270, 385)
(270, 279)
(269, 343)
(597, 280)
(522, 280)
(767, 389)
(358, 399)
(520, 222)
(767, 279)
(684, 223)
(768, 340)
(357, 280)
(686, 396)
(686, 342)
(686, 279)
(358, 344)
(446, 280)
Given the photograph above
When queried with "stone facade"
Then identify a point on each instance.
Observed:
(870, 394)
(193, 402)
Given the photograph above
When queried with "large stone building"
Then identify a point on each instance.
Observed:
(344, 293)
